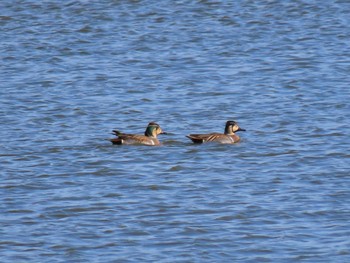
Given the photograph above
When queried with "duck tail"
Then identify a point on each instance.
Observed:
(117, 141)
(194, 138)
(117, 133)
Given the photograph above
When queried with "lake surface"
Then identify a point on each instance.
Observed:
(72, 71)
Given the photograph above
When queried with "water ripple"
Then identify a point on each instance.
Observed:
(74, 71)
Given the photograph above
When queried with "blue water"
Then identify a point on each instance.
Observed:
(72, 71)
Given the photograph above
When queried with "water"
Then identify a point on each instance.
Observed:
(71, 71)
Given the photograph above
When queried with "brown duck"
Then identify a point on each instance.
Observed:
(227, 137)
(150, 137)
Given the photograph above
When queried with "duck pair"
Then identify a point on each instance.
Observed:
(153, 130)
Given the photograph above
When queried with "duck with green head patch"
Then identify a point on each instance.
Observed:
(150, 137)
(227, 137)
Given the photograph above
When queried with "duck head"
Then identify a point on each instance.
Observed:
(232, 127)
(153, 129)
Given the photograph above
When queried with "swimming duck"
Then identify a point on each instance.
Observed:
(150, 137)
(228, 136)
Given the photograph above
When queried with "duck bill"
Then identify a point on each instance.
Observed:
(240, 129)
(166, 133)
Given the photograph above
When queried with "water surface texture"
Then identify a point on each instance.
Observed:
(71, 71)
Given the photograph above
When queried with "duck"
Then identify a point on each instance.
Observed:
(149, 138)
(228, 137)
